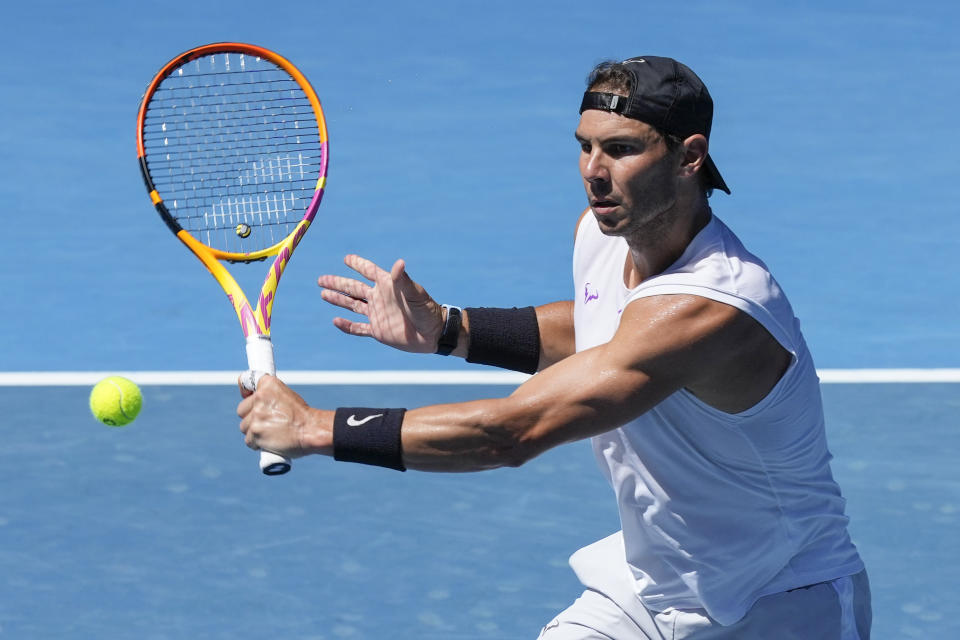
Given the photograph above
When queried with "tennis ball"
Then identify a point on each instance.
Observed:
(115, 401)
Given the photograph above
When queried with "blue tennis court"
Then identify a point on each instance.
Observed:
(451, 131)
(166, 529)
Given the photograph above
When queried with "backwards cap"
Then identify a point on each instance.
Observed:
(667, 95)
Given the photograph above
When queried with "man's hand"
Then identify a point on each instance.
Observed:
(400, 313)
(277, 419)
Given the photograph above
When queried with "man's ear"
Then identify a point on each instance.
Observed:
(694, 154)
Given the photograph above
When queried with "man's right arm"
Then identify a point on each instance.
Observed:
(401, 314)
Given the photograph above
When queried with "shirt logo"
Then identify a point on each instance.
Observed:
(588, 295)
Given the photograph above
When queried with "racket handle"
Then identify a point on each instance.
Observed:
(273, 464)
(260, 362)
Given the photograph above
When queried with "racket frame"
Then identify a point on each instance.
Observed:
(254, 320)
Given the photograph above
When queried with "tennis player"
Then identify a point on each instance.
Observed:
(680, 358)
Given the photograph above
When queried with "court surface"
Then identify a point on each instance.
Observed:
(166, 529)
(451, 129)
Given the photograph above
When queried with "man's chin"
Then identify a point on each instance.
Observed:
(609, 225)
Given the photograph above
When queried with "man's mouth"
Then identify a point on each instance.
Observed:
(602, 207)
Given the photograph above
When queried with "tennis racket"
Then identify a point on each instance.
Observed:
(232, 145)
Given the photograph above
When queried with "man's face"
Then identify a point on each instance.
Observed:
(629, 175)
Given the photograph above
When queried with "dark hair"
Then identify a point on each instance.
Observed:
(614, 77)
(610, 75)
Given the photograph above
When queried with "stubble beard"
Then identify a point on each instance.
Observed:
(648, 228)
(653, 213)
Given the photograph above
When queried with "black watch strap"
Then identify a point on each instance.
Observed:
(451, 330)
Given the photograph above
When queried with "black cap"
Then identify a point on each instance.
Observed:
(667, 95)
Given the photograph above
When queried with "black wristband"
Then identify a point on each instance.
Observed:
(450, 334)
(505, 338)
(368, 436)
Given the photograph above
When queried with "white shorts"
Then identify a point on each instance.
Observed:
(835, 610)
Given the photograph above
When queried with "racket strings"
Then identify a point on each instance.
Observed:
(233, 150)
(241, 123)
(291, 106)
(310, 155)
(225, 149)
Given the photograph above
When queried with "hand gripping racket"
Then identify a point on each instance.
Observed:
(232, 144)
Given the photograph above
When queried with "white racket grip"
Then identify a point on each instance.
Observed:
(259, 363)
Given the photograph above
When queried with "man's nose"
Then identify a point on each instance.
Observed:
(593, 168)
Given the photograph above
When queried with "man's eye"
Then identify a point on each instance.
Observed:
(621, 149)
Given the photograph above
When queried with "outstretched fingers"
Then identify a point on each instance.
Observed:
(344, 301)
(399, 312)
(364, 267)
(346, 286)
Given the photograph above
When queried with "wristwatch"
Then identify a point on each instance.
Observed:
(451, 330)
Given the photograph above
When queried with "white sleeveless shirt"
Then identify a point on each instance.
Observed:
(717, 509)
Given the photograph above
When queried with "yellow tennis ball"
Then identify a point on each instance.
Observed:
(115, 401)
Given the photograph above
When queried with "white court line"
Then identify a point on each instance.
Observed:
(213, 378)
(859, 376)
(408, 377)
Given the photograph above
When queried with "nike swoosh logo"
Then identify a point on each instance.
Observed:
(553, 625)
(353, 422)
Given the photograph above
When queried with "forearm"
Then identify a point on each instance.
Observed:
(554, 327)
(472, 436)
(461, 437)
(467, 436)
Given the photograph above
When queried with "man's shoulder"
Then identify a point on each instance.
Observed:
(720, 353)
(715, 262)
